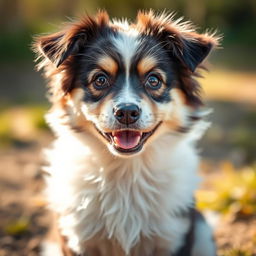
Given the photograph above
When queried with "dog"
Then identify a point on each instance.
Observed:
(126, 112)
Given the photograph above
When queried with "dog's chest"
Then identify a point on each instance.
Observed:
(122, 201)
(122, 206)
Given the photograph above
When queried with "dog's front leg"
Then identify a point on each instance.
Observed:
(54, 243)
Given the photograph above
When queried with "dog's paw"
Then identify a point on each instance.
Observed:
(50, 248)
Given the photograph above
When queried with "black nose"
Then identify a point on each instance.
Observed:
(127, 113)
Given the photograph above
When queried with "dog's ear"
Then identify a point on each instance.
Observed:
(59, 46)
(193, 51)
(180, 39)
(56, 48)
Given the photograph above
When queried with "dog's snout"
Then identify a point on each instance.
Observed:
(127, 113)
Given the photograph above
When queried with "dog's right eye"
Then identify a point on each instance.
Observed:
(153, 82)
(101, 81)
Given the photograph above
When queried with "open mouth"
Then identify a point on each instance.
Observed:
(128, 141)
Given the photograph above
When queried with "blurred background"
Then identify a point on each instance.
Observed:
(228, 148)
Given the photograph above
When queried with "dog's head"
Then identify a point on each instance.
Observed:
(125, 84)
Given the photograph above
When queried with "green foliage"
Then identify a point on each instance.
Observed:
(15, 46)
(231, 192)
(17, 227)
(21, 123)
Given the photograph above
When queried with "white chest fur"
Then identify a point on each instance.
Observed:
(93, 191)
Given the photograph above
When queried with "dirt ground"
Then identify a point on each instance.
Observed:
(24, 219)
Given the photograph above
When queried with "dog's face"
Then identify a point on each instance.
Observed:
(124, 83)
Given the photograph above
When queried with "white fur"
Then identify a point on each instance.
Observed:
(127, 44)
(127, 95)
(50, 248)
(94, 191)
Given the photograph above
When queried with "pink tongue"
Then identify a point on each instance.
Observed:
(126, 139)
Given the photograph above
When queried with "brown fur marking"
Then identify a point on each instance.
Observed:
(108, 64)
(146, 64)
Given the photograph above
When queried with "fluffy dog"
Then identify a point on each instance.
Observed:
(126, 113)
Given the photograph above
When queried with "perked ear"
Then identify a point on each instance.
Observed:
(194, 51)
(56, 49)
(59, 46)
(180, 38)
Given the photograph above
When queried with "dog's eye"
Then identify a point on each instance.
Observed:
(101, 81)
(153, 82)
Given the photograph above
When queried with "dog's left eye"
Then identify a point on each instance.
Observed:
(101, 81)
(153, 82)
